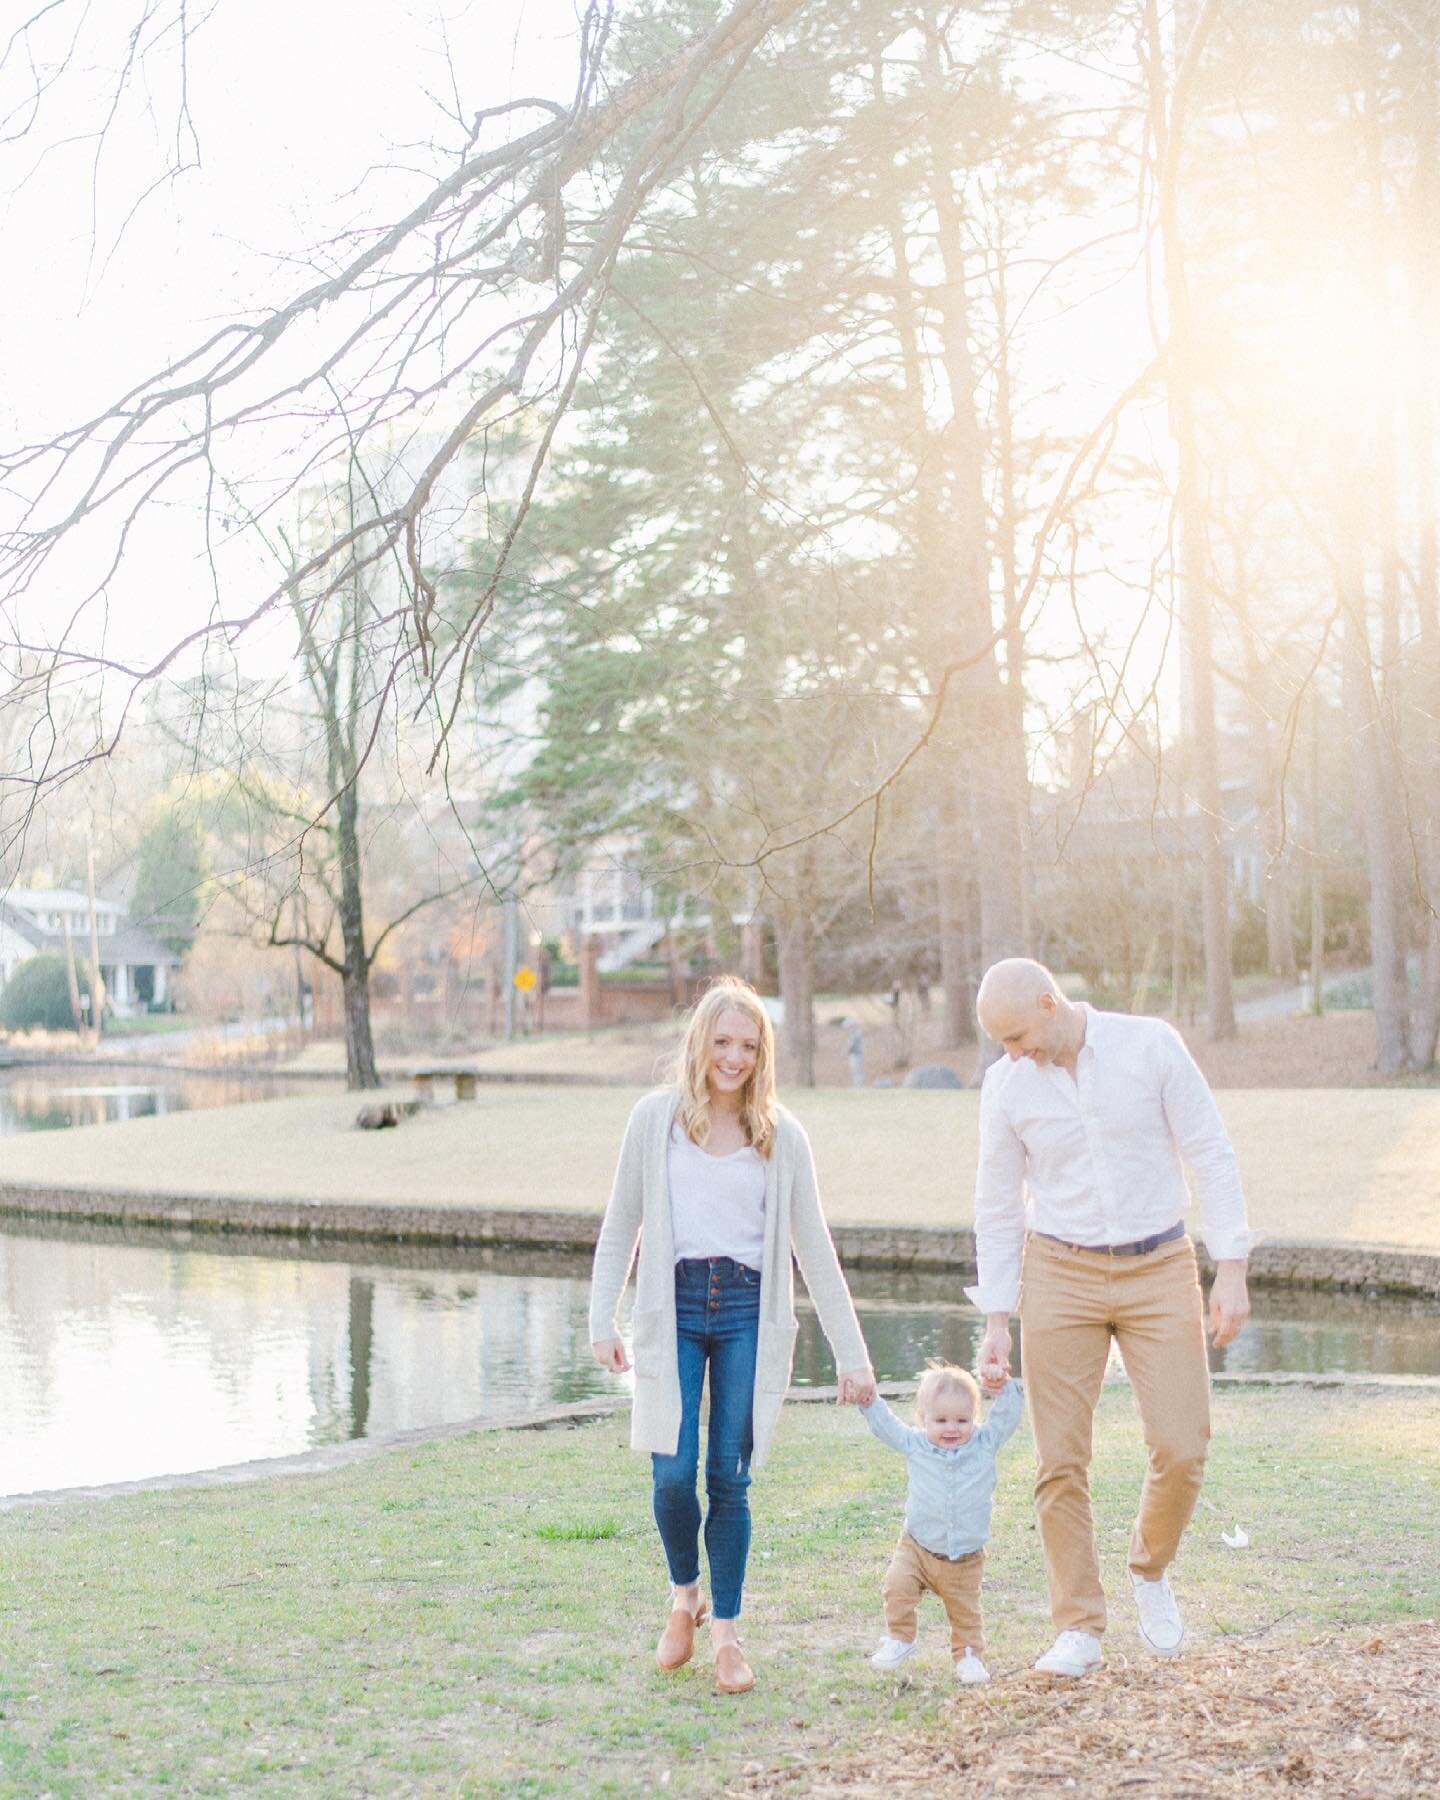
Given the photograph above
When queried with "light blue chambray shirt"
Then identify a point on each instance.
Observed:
(947, 1503)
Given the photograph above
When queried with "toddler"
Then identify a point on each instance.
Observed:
(951, 1460)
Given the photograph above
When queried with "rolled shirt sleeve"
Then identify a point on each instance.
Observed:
(999, 1206)
(1205, 1148)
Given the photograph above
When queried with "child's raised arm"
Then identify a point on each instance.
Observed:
(1004, 1414)
(886, 1426)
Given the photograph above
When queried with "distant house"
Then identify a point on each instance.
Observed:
(610, 899)
(134, 966)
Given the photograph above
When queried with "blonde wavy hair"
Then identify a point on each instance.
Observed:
(943, 1377)
(758, 1105)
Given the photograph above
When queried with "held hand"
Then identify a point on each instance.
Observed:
(1229, 1303)
(993, 1364)
(610, 1354)
(857, 1387)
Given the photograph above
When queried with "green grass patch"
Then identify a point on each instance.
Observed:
(579, 1531)
(149, 1025)
(441, 1620)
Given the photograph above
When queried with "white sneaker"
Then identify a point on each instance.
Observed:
(970, 1669)
(1072, 1653)
(892, 1652)
(1161, 1627)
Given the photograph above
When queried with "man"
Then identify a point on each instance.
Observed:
(1090, 1115)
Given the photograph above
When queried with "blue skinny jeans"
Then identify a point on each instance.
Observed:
(717, 1318)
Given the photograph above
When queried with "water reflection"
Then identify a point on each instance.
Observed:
(126, 1354)
(119, 1361)
(60, 1101)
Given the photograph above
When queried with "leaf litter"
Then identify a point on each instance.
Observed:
(1353, 1718)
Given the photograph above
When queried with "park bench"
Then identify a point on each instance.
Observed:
(426, 1080)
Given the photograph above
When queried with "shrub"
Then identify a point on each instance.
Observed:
(37, 994)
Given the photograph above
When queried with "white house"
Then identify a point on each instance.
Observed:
(134, 966)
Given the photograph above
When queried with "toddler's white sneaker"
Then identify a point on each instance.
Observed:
(1161, 1627)
(892, 1652)
(1072, 1653)
(970, 1670)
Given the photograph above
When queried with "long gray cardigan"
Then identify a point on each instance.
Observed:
(640, 1208)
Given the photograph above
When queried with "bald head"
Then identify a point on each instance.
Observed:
(1021, 1007)
(1015, 982)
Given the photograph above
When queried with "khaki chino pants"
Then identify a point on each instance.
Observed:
(1072, 1302)
(914, 1571)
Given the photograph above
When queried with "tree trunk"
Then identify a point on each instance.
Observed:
(1424, 273)
(1366, 723)
(97, 986)
(360, 1069)
(957, 969)
(1204, 757)
(1007, 525)
(952, 860)
(1266, 773)
(1279, 932)
(1177, 936)
(795, 952)
(1427, 600)
(1317, 868)
(1381, 488)
(72, 980)
(1203, 760)
(752, 953)
(986, 716)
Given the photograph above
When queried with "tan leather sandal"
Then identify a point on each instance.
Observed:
(677, 1640)
(733, 1675)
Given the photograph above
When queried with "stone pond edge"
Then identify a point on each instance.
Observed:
(1273, 1263)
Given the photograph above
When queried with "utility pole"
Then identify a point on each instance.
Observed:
(512, 962)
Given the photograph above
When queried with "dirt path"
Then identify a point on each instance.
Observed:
(1290, 1050)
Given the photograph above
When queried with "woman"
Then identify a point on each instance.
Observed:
(717, 1182)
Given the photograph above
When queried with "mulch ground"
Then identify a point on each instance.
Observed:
(1357, 1715)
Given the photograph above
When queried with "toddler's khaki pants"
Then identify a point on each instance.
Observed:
(914, 1571)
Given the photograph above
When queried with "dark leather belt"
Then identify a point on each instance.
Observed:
(1141, 1246)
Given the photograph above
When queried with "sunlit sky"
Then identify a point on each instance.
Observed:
(310, 120)
(307, 124)
(305, 115)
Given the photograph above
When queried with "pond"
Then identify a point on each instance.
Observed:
(126, 1354)
(52, 1099)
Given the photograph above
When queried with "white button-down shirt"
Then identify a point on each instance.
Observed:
(1099, 1157)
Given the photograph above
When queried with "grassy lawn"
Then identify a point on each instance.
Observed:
(475, 1616)
(149, 1025)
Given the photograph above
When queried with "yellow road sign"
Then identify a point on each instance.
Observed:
(524, 978)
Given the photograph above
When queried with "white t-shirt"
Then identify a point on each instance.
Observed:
(717, 1203)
